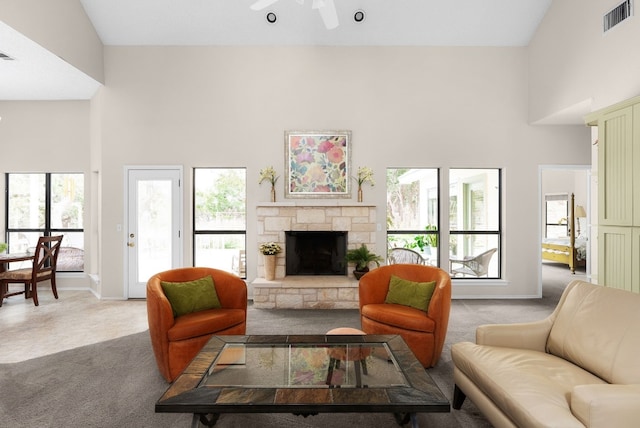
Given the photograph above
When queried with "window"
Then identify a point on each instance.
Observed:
(47, 204)
(219, 219)
(474, 222)
(556, 216)
(412, 211)
(474, 218)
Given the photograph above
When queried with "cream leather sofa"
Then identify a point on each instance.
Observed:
(578, 367)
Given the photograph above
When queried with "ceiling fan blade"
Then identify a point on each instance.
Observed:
(261, 4)
(329, 14)
(317, 4)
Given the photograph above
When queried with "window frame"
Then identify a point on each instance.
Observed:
(47, 230)
(217, 232)
(454, 198)
(557, 197)
(425, 231)
(489, 232)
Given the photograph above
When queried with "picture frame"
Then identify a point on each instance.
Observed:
(317, 164)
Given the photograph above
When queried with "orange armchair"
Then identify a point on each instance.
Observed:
(177, 340)
(424, 332)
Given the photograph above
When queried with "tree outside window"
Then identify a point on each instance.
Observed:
(220, 219)
(412, 211)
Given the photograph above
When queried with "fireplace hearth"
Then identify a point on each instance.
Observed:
(315, 252)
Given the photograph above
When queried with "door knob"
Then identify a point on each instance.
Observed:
(131, 244)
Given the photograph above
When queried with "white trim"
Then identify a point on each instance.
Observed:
(541, 169)
(125, 227)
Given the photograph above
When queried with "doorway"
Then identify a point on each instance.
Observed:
(565, 180)
(154, 224)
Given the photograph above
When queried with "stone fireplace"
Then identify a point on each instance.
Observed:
(300, 291)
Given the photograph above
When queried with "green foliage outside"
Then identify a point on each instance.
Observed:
(220, 205)
(403, 213)
(220, 201)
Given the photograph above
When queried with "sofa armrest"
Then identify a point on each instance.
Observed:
(531, 335)
(604, 406)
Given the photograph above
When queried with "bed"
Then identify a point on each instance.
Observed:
(570, 250)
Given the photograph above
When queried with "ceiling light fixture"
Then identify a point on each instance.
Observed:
(358, 16)
(326, 9)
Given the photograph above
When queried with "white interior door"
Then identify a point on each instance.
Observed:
(154, 225)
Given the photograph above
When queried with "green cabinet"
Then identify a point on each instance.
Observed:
(615, 250)
(619, 194)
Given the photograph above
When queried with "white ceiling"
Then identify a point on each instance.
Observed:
(387, 22)
(36, 74)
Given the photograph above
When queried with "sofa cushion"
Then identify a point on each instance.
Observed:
(526, 385)
(410, 293)
(400, 316)
(596, 328)
(204, 322)
(606, 405)
(191, 296)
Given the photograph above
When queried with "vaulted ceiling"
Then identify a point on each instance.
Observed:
(35, 73)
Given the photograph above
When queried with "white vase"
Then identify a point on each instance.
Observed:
(269, 267)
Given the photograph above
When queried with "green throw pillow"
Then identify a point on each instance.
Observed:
(191, 296)
(410, 293)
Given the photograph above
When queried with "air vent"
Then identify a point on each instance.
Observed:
(5, 57)
(618, 14)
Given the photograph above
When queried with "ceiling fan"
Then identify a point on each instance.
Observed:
(326, 8)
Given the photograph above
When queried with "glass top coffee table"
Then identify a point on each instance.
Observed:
(304, 375)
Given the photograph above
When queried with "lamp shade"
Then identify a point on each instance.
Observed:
(580, 212)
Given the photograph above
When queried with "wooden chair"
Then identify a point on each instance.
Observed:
(44, 268)
(474, 266)
(404, 256)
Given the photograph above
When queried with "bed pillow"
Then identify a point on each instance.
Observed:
(410, 293)
(191, 296)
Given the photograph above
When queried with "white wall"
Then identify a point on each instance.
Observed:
(566, 179)
(44, 136)
(572, 61)
(60, 26)
(413, 107)
(50, 136)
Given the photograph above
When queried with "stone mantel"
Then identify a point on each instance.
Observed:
(274, 219)
(311, 204)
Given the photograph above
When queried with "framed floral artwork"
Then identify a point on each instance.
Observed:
(318, 164)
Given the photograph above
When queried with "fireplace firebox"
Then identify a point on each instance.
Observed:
(315, 252)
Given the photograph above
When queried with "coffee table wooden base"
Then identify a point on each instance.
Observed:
(209, 420)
